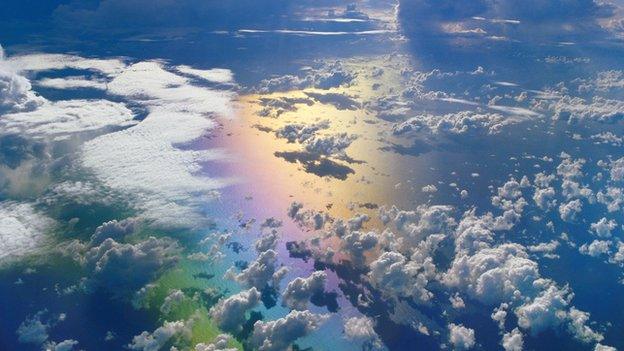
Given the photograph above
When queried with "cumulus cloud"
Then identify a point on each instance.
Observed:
(219, 343)
(454, 124)
(279, 334)
(460, 337)
(513, 340)
(123, 267)
(328, 75)
(33, 330)
(158, 338)
(65, 345)
(299, 291)
(230, 313)
(23, 230)
(15, 90)
(361, 329)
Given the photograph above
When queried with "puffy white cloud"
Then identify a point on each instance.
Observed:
(330, 145)
(65, 345)
(361, 329)
(23, 230)
(454, 124)
(547, 310)
(45, 62)
(568, 211)
(612, 197)
(577, 109)
(600, 347)
(460, 337)
(229, 313)
(578, 326)
(114, 229)
(329, 75)
(158, 338)
(74, 82)
(494, 274)
(603, 227)
(596, 248)
(513, 341)
(33, 330)
(279, 334)
(260, 273)
(393, 274)
(299, 291)
(300, 132)
(267, 241)
(123, 268)
(15, 90)
(175, 297)
(220, 343)
(62, 118)
(617, 169)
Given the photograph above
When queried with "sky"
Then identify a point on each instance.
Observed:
(311, 175)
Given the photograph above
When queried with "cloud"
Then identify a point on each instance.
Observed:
(33, 330)
(219, 343)
(361, 329)
(260, 272)
(279, 334)
(158, 338)
(114, 229)
(122, 268)
(460, 337)
(454, 124)
(513, 340)
(603, 227)
(328, 75)
(76, 82)
(65, 345)
(230, 313)
(132, 161)
(63, 118)
(299, 291)
(214, 75)
(15, 90)
(23, 230)
(393, 274)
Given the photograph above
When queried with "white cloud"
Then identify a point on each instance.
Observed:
(23, 230)
(299, 291)
(460, 337)
(65, 345)
(596, 248)
(229, 313)
(513, 341)
(45, 62)
(219, 343)
(361, 329)
(145, 160)
(62, 118)
(215, 75)
(15, 90)
(156, 340)
(603, 227)
(278, 334)
(75, 82)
